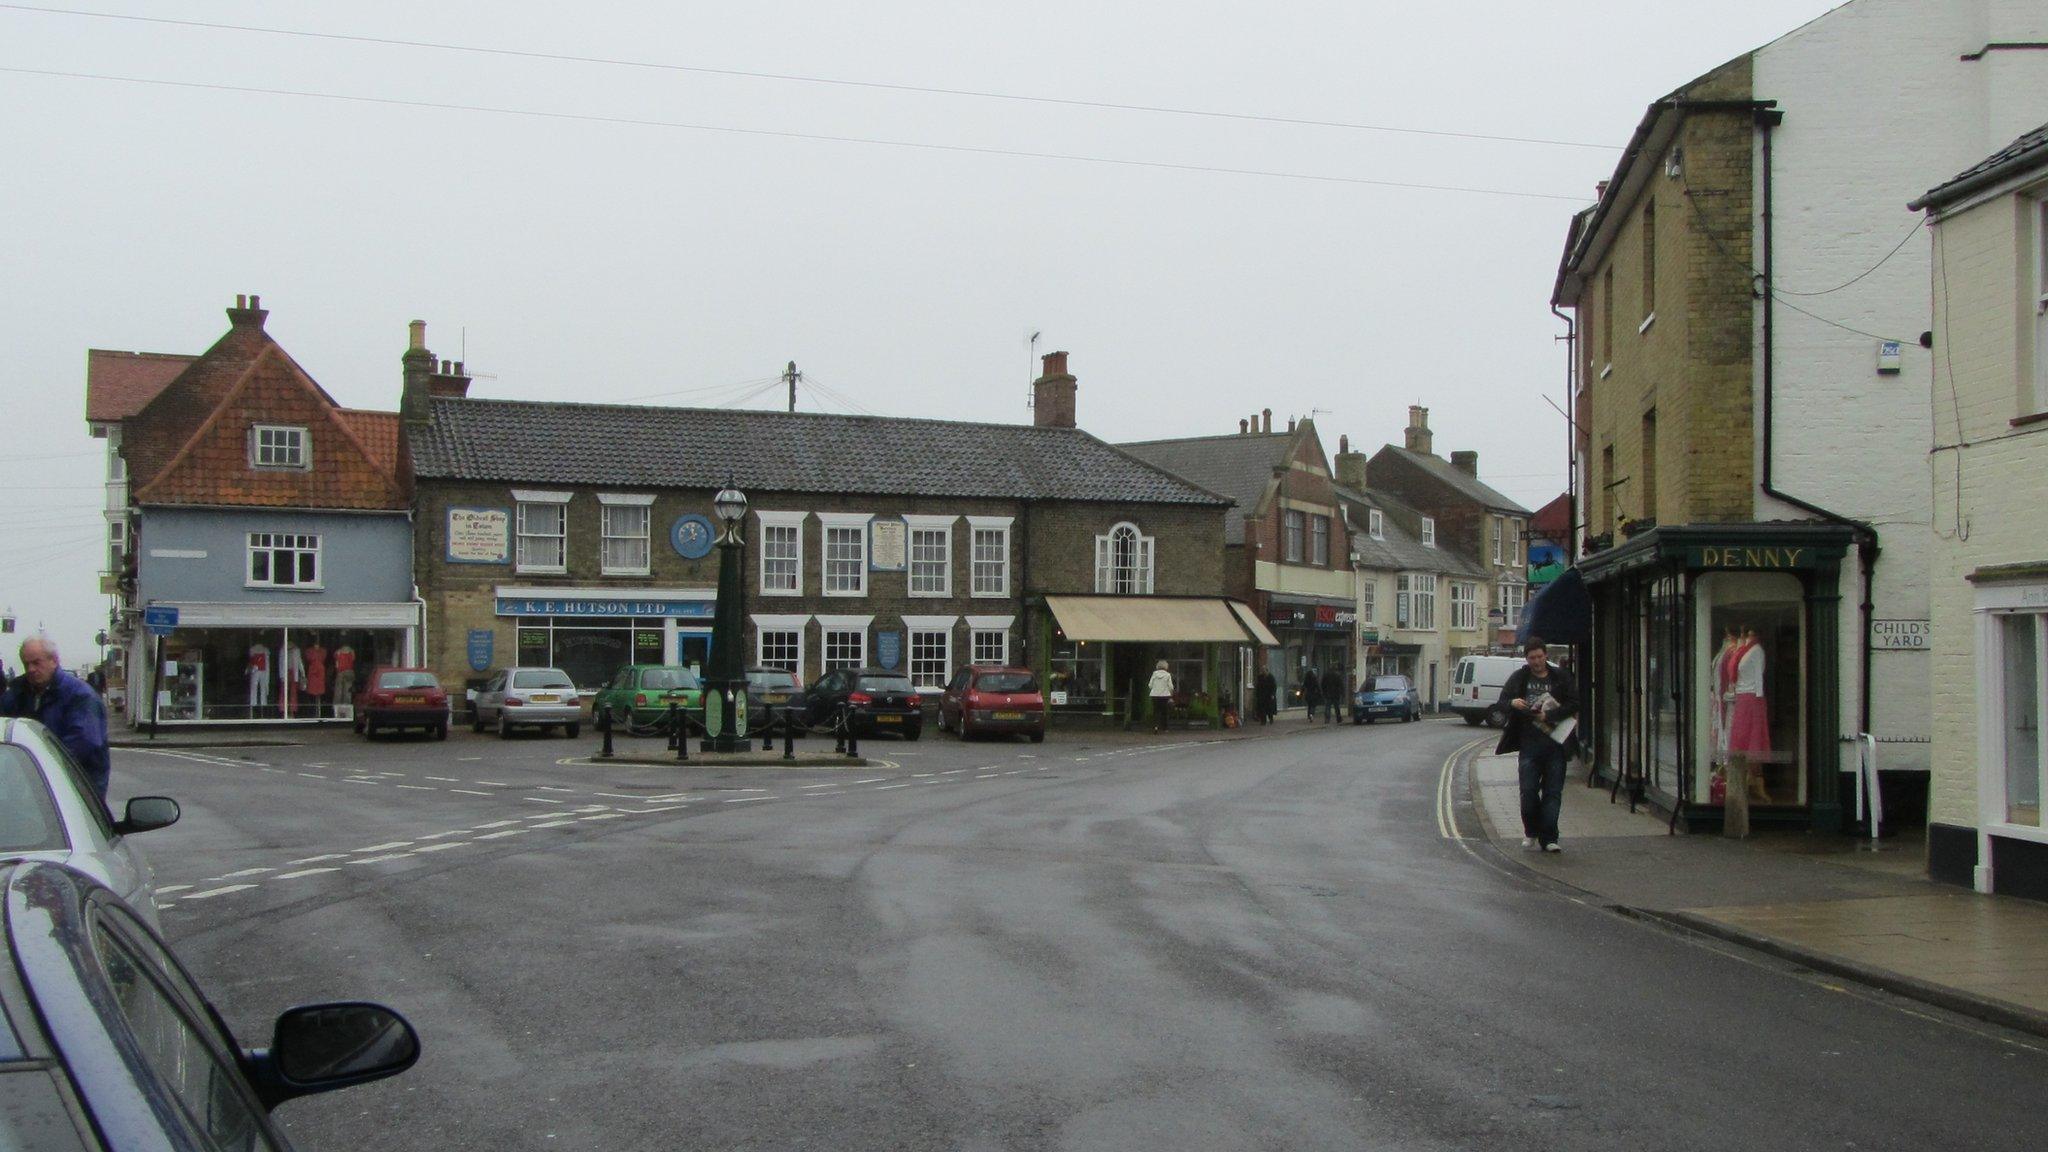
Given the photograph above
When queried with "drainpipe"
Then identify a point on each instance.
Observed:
(1867, 549)
(1571, 420)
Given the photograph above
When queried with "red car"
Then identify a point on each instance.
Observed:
(402, 698)
(979, 700)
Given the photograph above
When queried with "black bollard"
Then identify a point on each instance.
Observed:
(839, 731)
(682, 735)
(674, 728)
(604, 728)
(852, 739)
(788, 736)
(768, 727)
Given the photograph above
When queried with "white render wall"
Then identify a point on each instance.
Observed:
(1878, 108)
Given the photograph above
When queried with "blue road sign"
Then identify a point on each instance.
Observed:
(160, 619)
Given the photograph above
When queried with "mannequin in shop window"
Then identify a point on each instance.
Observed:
(344, 675)
(1748, 732)
(291, 673)
(259, 678)
(315, 657)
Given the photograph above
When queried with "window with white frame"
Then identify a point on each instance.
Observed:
(988, 640)
(991, 555)
(1509, 597)
(1367, 589)
(542, 525)
(1518, 534)
(931, 555)
(931, 657)
(1319, 541)
(284, 560)
(2037, 213)
(779, 643)
(1423, 609)
(846, 555)
(1123, 562)
(279, 446)
(1294, 528)
(117, 545)
(1404, 600)
(1428, 532)
(2020, 640)
(625, 521)
(1375, 524)
(782, 552)
(1464, 604)
(845, 647)
(1497, 553)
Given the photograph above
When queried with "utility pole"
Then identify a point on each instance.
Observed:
(790, 376)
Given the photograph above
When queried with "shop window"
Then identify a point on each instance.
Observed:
(782, 553)
(276, 446)
(1750, 665)
(931, 658)
(2020, 706)
(1076, 676)
(931, 561)
(284, 560)
(543, 537)
(625, 540)
(991, 647)
(1123, 562)
(991, 557)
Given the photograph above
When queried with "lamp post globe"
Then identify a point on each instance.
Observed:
(731, 506)
(726, 688)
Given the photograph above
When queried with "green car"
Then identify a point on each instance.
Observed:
(639, 694)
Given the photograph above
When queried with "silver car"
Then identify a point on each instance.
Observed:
(49, 811)
(528, 698)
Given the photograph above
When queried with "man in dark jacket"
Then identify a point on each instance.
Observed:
(65, 705)
(1311, 691)
(1537, 700)
(1333, 695)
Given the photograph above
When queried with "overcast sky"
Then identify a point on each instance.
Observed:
(686, 206)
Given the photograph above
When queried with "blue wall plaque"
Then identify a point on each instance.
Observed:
(888, 649)
(692, 536)
(481, 643)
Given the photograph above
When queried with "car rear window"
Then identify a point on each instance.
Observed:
(1006, 682)
(544, 679)
(885, 684)
(28, 813)
(1390, 684)
(407, 680)
(777, 679)
(668, 679)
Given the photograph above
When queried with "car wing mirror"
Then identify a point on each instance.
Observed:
(321, 1047)
(145, 813)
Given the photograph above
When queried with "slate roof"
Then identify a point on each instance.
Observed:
(1467, 485)
(1238, 466)
(2029, 151)
(621, 446)
(120, 384)
(1397, 550)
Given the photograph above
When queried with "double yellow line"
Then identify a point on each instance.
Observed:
(1446, 806)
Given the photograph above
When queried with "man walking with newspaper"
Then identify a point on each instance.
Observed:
(1542, 704)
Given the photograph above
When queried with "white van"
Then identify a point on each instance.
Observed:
(1476, 685)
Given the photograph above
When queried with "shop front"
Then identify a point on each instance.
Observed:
(1715, 663)
(1101, 652)
(261, 663)
(1313, 632)
(591, 633)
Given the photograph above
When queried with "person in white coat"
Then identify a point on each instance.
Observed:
(1161, 692)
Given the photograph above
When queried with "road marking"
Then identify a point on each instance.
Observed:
(506, 832)
(210, 893)
(468, 759)
(443, 847)
(608, 795)
(382, 847)
(955, 771)
(279, 771)
(1014, 772)
(553, 788)
(886, 787)
(315, 859)
(663, 808)
(499, 824)
(442, 779)
(491, 783)
(471, 792)
(420, 787)
(167, 889)
(984, 768)
(245, 872)
(605, 816)
(312, 776)
(808, 787)
(360, 780)
(749, 799)
(988, 776)
(555, 824)
(871, 780)
(303, 872)
(542, 800)
(920, 775)
(444, 835)
(376, 859)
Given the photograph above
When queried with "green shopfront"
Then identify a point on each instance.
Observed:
(1716, 656)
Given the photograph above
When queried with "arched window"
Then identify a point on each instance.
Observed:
(1123, 561)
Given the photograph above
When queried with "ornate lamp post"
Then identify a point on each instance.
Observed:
(725, 689)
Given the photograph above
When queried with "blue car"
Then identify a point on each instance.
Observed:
(106, 1043)
(1386, 698)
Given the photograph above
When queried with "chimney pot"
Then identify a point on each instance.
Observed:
(1243, 426)
(1418, 435)
(255, 302)
(458, 368)
(1268, 414)
(241, 301)
(1052, 394)
(419, 335)
(1343, 444)
(1290, 423)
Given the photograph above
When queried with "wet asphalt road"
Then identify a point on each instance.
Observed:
(1076, 945)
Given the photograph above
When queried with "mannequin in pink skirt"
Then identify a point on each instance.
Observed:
(1749, 733)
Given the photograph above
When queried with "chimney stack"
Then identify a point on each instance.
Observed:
(1466, 462)
(1418, 437)
(247, 313)
(1052, 403)
(1243, 426)
(1290, 425)
(1350, 465)
(418, 369)
(451, 380)
(1268, 414)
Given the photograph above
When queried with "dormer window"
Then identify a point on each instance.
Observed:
(1428, 532)
(1375, 527)
(279, 446)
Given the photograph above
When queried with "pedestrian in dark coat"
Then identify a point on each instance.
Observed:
(1537, 700)
(64, 704)
(1311, 691)
(1268, 691)
(1333, 696)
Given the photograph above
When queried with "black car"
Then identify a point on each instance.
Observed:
(105, 1042)
(867, 700)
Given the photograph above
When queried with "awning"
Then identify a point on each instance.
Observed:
(1158, 619)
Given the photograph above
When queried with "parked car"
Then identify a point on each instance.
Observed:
(871, 700)
(993, 700)
(540, 698)
(107, 1043)
(639, 694)
(50, 811)
(401, 698)
(777, 689)
(1476, 685)
(1385, 698)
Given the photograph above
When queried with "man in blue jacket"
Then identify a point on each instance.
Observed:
(65, 705)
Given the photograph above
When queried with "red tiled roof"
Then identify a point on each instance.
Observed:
(1553, 520)
(120, 384)
(378, 432)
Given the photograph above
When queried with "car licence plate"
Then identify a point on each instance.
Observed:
(408, 699)
(545, 698)
(1009, 715)
(888, 719)
(775, 698)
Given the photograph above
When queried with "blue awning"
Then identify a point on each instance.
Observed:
(1562, 613)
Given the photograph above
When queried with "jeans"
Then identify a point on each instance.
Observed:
(1542, 767)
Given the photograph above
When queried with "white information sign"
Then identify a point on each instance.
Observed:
(890, 548)
(1901, 635)
(479, 535)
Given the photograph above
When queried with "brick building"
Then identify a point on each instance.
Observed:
(273, 521)
(579, 536)
(1989, 627)
(1746, 294)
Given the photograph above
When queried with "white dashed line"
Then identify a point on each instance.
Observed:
(317, 859)
(381, 859)
(167, 889)
(360, 780)
(382, 847)
(555, 824)
(312, 776)
(663, 808)
(442, 847)
(1014, 772)
(245, 872)
(491, 783)
(442, 779)
(886, 787)
(542, 800)
(279, 771)
(988, 776)
(552, 788)
(420, 787)
(303, 872)
(468, 759)
(808, 787)
(506, 832)
(749, 799)
(871, 780)
(444, 835)
(499, 824)
(210, 893)
(955, 771)
(606, 816)
(471, 792)
(609, 795)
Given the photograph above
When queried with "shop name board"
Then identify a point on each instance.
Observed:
(524, 606)
(1752, 556)
(1901, 635)
(1321, 617)
(479, 536)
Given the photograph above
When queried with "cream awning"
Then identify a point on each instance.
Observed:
(1253, 624)
(1198, 620)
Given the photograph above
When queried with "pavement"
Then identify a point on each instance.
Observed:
(1827, 902)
